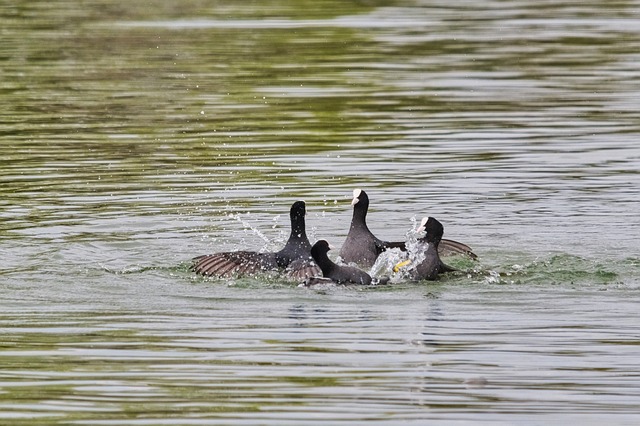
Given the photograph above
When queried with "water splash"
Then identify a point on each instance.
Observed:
(388, 259)
(384, 264)
(555, 270)
(248, 227)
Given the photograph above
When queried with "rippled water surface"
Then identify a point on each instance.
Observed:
(136, 135)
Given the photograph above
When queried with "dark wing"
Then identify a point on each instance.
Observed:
(450, 247)
(234, 263)
(302, 269)
(444, 268)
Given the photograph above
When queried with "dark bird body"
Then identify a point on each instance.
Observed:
(338, 274)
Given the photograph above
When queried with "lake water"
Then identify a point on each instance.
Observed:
(136, 135)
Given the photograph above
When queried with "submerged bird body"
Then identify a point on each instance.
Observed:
(297, 249)
(339, 274)
(363, 248)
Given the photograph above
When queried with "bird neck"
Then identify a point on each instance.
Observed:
(298, 231)
(432, 239)
(323, 261)
(298, 228)
(359, 218)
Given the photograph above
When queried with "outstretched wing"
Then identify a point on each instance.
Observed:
(302, 269)
(234, 263)
(450, 247)
(446, 248)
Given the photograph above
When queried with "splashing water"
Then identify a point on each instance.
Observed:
(269, 244)
(388, 259)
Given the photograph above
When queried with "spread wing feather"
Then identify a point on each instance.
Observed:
(450, 247)
(233, 263)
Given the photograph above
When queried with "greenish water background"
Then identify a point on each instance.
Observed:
(135, 135)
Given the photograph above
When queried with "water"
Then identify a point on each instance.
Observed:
(135, 136)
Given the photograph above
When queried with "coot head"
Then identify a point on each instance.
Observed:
(433, 228)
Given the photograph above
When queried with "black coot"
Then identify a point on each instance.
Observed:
(333, 272)
(431, 265)
(295, 256)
